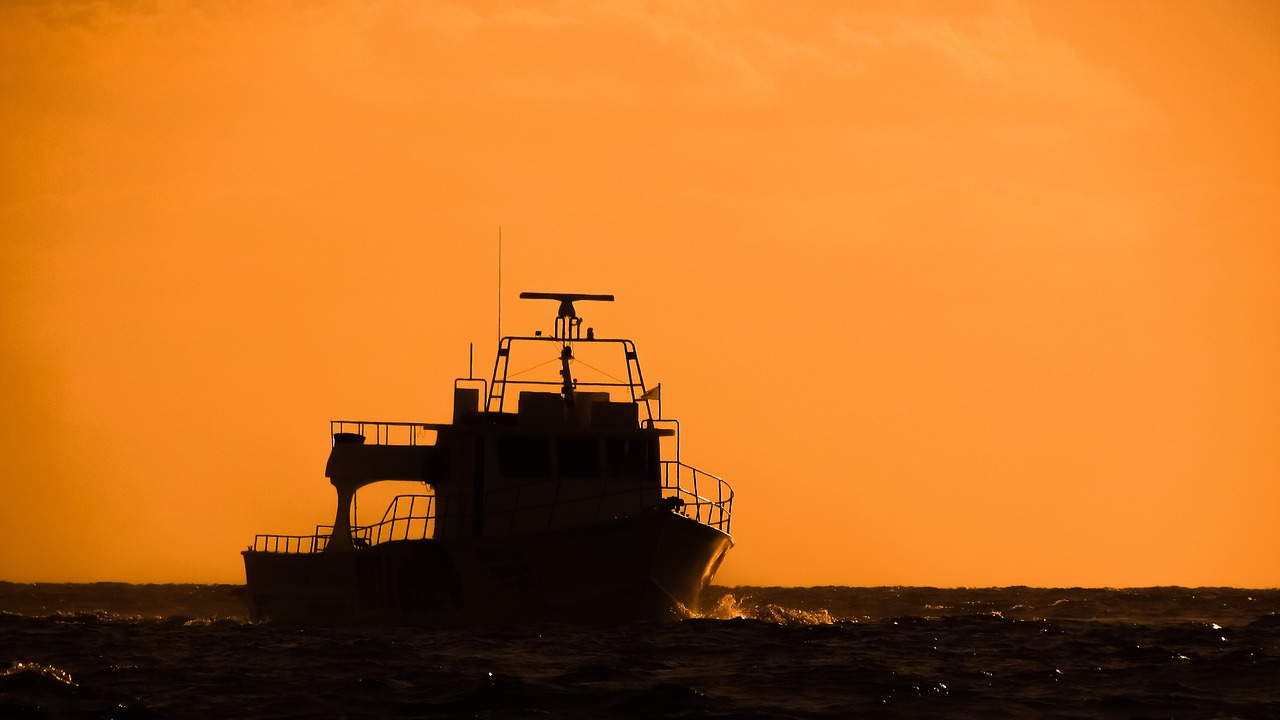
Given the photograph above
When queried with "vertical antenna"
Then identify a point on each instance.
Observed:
(499, 285)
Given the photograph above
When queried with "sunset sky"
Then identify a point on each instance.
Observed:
(954, 294)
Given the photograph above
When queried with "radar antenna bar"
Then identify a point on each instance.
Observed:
(566, 300)
(568, 324)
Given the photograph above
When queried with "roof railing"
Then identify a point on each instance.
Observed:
(385, 433)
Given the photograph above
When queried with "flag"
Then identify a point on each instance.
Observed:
(654, 393)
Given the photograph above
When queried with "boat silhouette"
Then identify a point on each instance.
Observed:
(555, 493)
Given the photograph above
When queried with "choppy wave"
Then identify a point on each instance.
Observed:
(833, 604)
(187, 652)
(729, 607)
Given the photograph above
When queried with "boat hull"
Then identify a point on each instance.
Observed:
(652, 566)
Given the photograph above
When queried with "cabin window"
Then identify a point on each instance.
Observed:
(579, 457)
(627, 458)
(524, 456)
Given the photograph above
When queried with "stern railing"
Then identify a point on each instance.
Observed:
(292, 543)
(408, 517)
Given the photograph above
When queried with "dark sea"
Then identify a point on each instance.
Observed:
(187, 651)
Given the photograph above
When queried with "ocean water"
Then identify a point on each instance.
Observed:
(187, 651)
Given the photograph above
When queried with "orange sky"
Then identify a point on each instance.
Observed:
(952, 293)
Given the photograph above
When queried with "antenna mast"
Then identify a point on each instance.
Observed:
(499, 285)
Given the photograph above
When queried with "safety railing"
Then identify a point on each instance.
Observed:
(705, 497)
(408, 517)
(385, 433)
(693, 493)
(546, 373)
(292, 543)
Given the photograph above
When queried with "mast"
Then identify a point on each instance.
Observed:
(568, 328)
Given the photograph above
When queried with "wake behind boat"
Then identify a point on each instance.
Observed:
(548, 497)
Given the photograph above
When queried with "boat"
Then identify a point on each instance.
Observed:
(556, 493)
